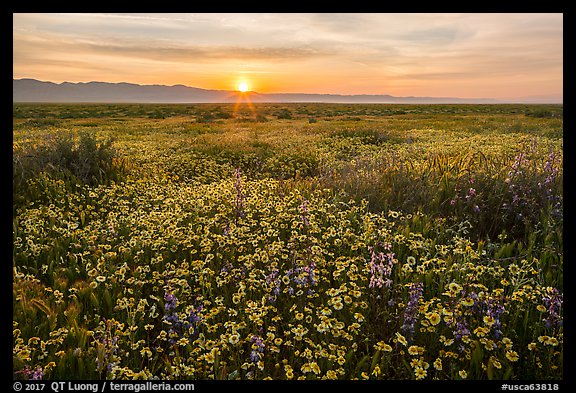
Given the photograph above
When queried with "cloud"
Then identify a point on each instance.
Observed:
(204, 53)
(436, 35)
(28, 45)
(369, 48)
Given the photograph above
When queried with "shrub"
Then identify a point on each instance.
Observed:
(261, 118)
(543, 113)
(42, 123)
(85, 161)
(284, 114)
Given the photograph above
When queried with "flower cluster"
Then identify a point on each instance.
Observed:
(295, 250)
(470, 197)
(33, 375)
(553, 301)
(179, 328)
(491, 309)
(411, 312)
(106, 348)
(381, 267)
(257, 349)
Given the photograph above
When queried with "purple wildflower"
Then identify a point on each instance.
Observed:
(491, 308)
(176, 324)
(37, 375)
(309, 269)
(170, 301)
(274, 281)
(303, 277)
(461, 329)
(109, 344)
(194, 316)
(381, 269)
(411, 311)
(257, 348)
(495, 310)
(551, 174)
(553, 302)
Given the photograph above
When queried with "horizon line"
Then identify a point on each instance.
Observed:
(560, 97)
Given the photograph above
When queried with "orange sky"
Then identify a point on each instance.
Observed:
(441, 55)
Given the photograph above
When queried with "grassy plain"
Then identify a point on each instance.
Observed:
(292, 241)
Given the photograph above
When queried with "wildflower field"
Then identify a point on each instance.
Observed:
(288, 241)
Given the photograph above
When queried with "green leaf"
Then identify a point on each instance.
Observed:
(42, 306)
(362, 362)
(508, 373)
(94, 300)
(490, 371)
(107, 300)
(375, 359)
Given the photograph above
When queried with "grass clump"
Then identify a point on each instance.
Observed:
(66, 160)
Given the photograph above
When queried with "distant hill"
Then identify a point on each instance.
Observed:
(32, 90)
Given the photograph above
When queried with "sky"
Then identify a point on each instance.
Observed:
(435, 55)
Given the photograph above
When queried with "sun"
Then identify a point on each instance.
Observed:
(243, 87)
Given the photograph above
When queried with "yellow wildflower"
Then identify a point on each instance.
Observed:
(438, 364)
(512, 356)
(382, 346)
(401, 339)
(420, 373)
(488, 320)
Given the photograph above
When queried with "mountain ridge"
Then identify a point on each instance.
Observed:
(33, 90)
